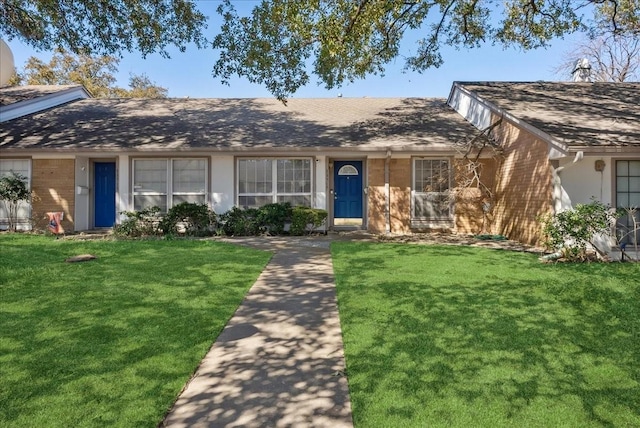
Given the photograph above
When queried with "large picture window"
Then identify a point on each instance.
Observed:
(628, 196)
(168, 182)
(430, 192)
(265, 181)
(22, 167)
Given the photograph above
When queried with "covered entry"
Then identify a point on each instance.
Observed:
(348, 193)
(104, 202)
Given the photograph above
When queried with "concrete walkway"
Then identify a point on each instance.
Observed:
(279, 362)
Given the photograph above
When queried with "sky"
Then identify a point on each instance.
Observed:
(188, 74)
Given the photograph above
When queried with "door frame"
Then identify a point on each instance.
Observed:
(92, 198)
(331, 189)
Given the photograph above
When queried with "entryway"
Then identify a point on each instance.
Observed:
(104, 194)
(348, 193)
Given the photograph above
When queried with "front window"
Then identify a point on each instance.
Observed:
(22, 167)
(265, 181)
(628, 198)
(430, 193)
(168, 182)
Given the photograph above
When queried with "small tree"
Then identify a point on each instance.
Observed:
(13, 190)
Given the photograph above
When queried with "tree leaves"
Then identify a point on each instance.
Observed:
(99, 27)
(96, 74)
(282, 42)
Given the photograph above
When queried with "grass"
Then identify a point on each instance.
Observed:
(110, 342)
(458, 337)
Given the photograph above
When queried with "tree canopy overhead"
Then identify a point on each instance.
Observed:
(103, 26)
(282, 42)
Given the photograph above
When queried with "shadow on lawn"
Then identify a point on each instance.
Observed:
(488, 338)
(112, 341)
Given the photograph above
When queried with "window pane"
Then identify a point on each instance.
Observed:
(296, 200)
(294, 175)
(254, 176)
(19, 166)
(431, 184)
(623, 184)
(622, 200)
(254, 201)
(150, 176)
(189, 176)
(623, 168)
(634, 168)
(141, 202)
(194, 199)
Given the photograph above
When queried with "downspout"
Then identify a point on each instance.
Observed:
(387, 193)
(557, 196)
(557, 181)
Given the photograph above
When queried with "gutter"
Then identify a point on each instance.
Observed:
(41, 103)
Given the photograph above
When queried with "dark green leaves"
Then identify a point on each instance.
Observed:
(282, 42)
(104, 27)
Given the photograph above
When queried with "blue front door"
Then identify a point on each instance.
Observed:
(347, 181)
(104, 191)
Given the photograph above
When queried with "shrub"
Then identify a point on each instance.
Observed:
(573, 231)
(305, 219)
(272, 217)
(188, 218)
(239, 222)
(145, 222)
(13, 190)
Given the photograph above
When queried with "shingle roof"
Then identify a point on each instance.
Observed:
(577, 114)
(239, 124)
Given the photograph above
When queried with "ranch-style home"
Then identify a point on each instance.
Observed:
(383, 165)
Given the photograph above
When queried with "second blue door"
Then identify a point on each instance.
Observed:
(104, 191)
(347, 182)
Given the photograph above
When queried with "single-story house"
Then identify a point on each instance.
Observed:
(385, 165)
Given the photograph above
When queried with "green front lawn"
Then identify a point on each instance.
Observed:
(110, 342)
(444, 336)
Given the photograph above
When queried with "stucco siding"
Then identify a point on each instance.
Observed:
(52, 184)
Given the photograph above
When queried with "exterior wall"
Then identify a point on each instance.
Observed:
(53, 185)
(376, 196)
(523, 186)
(400, 190)
(581, 182)
(470, 217)
(82, 201)
(320, 183)
(222, 183)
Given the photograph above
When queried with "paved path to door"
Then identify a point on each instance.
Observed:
(279, 361)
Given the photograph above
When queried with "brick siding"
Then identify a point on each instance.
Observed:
(376, 198)
(52, 185)
(523, 186)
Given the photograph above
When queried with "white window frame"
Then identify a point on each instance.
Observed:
(274, 194)
(23, 220)
(443, 221)
(169, 169)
